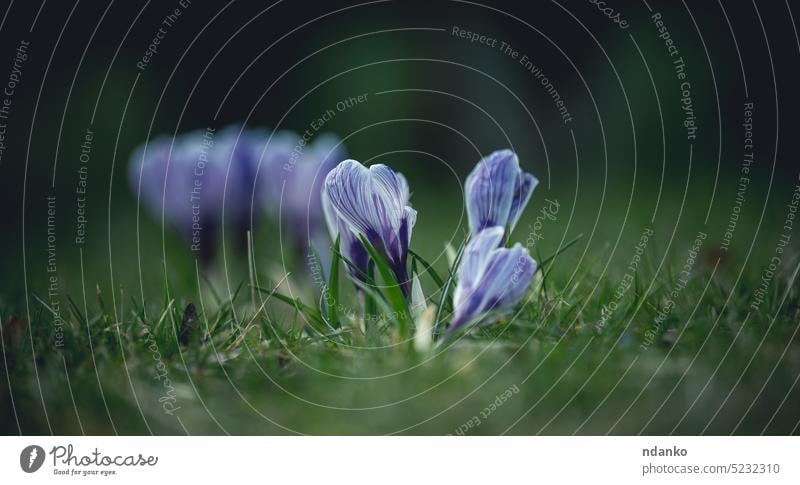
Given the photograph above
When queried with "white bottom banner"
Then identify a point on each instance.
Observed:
(406, 460)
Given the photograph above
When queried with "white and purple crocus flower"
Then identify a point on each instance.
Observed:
(497, 191)
(492, 279)
(374, 203)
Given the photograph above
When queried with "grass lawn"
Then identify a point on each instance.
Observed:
(628, 332)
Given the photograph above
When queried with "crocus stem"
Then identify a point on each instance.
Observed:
(402, 278)
(369, 302)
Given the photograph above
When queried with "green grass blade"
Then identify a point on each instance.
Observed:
(332, 293)
(446, 288)
(306, 310)
(376, 298)
(76, 311)
(367, 277)
(428, 268)
(370, 303)
(561, 250)
(211, 289)
(393, 293)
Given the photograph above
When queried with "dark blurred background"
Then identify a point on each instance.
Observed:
(283, 64)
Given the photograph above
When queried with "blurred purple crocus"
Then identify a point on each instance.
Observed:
(491, 279)
(497, 191)
(291, 176)
(302, 202)
(192, 178)
(273, 156)
(373, 202)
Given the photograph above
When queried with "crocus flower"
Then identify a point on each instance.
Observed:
(291, 174)
(491, 279)
(497, 191)
(373, 202)
(190, 178)
(234, 157)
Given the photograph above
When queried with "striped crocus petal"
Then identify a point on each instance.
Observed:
(373, 202)
(491, 279)
(522, 194)
(497, 191)
(349, 245)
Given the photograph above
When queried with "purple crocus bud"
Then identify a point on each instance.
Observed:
(373, 202)
(491, 279)
(349, 245)
(497, 191)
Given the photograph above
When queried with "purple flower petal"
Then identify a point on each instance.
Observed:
(349, 245)
(477, 253)
(526, 183)
(490, 190)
